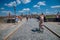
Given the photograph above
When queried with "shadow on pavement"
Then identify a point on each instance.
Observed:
(37, 30)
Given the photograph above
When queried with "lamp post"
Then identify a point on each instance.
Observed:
(14, 11)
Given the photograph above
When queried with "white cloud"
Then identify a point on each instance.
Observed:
(36, 6)
(41, 3)
(25, 1)
(34, 12)
(46, 10)
(20, 11)
(57, 6)
(6, 12)
(18, 1)
(11, 4)
(23, 10)
(26, 9)
(2, 8)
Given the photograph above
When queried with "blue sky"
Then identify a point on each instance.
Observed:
(32, 6)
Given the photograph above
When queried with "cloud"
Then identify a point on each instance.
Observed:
(6, 12)
(47, 11)
(11, 4)
(23, 10)
(26, 9)
(41, 3)
(18, 1)
(2, 8)
(14, 3)
(36, 6)
(34, 12)
(25, 1)
(57, 6)
(20, 11)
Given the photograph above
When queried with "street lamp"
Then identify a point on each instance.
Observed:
(14, 11)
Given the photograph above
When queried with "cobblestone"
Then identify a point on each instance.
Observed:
(25, 32)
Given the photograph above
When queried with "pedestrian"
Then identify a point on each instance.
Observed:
(41, 22)
(16, 19)
(57, 18)
(20, 18)
(27, 18)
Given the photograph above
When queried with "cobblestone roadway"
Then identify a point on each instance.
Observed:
(25, 32)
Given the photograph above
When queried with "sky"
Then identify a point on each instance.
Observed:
(29, 6)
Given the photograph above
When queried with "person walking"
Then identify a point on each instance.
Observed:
(41, 22)
(27, 18)
(16, 19)
(58, 18)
